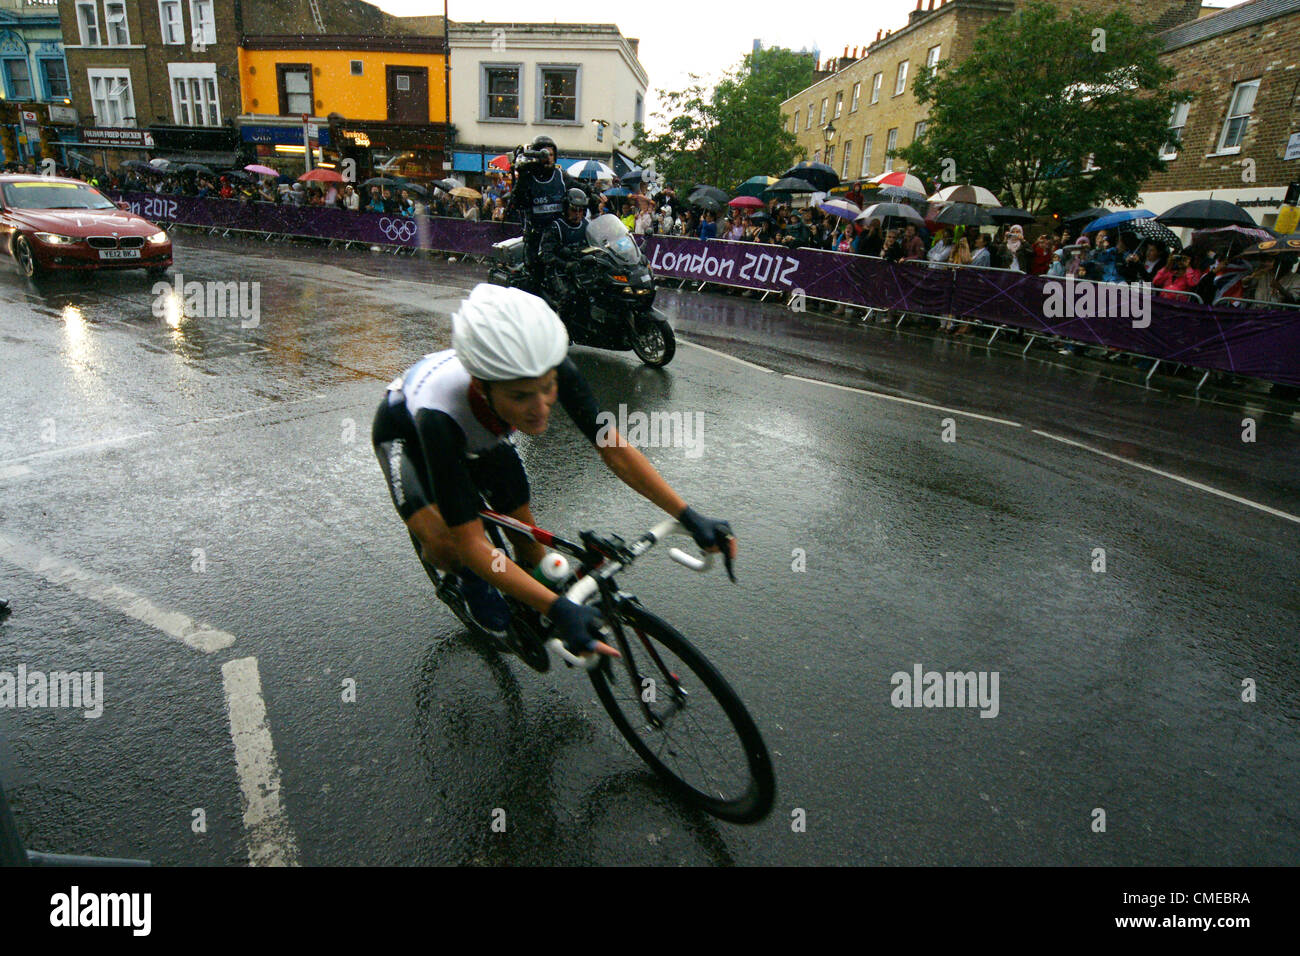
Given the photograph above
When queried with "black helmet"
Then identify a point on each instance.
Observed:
(544, 142)
(577, 198)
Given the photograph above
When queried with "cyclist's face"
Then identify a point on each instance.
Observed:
(526, 403)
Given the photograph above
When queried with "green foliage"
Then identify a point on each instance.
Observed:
(1039, 95)
(725, 135)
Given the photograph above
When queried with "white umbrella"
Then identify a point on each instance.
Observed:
(976, 195)
(160, 163)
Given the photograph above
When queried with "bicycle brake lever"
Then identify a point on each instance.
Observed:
(727, 559)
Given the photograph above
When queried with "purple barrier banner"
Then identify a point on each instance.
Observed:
(1260, 343)
(421, 232)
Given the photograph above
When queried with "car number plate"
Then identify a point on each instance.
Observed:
(119, 253)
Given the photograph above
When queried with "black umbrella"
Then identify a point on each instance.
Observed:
(704, 202)
(1012, 214)
(819, 174)
(415, 188)
(1088, 215)
(140, 166)
(791, 185)
(632, 176)
(446, 185)
(964, 214)
(711, 192)
(238, 174)
(197, 168)
(890, 210)
(1150, 229)
(1206, 214)
(759, 217)
(384, 181)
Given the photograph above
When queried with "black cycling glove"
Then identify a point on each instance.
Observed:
(577, 625)
(709, 533)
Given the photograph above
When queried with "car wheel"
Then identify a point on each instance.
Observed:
(25, 258)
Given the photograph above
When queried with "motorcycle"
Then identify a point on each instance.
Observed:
(614, 307)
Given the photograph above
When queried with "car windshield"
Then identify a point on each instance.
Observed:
(608, 232)
(38, 195)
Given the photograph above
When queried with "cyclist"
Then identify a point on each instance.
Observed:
(539, 193)
(443, 438)
(561, 246)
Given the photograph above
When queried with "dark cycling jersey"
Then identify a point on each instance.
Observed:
(439, 443)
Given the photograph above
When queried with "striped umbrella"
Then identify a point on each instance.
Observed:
(591, 169)
(906, 180)
(840, 209)
(974, 195)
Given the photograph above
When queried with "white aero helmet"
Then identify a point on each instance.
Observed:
(501, 334)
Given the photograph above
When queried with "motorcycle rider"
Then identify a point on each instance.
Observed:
(539, 194)
(560, 250)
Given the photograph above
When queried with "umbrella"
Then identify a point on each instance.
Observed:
(1274, 247)
(197, 168)
(1117, 218)
(416, 188)
(501, 162)
(712, 192)
(1206, 213)
(759, 217)
(633, 176)
(381, 181)
(819, 174)
(447, 185)
(462, 192)
(791, 185)
(755, 185)
(704, 202)
(890, 210)
(1012, 214)
(617, 192)
(237, 174)
(1153, 230)
(262, 170)
(746, 202)
(840, 208)
(964, 214)
(591, 169)
(139, 165)
(319, 175)
(976, 195)
(1227, 240)
(906, 180)
(899, 194)
(1096, 212)
(160, 163)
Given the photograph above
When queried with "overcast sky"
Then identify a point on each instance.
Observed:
(679, 37)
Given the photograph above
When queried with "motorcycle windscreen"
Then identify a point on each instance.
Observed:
(608, 232)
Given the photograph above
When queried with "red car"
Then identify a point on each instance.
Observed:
(49, 223)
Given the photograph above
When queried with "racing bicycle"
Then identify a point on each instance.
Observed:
(676, 710)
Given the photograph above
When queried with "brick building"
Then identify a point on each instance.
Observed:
(1233, 140)
(869, 99)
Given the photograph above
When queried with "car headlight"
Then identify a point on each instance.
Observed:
(52, 239)
(158, 238)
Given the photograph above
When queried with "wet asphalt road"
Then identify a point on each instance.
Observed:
(225, 474)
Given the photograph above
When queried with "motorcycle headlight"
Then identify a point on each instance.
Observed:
(158, 238)
(52, 239)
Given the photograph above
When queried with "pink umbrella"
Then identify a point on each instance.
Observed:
(747, 202)
(261, 170)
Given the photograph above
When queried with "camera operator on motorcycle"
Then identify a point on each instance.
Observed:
(561, 250)
(443, 437)
(539, 194)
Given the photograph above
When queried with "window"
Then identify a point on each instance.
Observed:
(17, 80)
(1177, 120)
(839, 104)
(1234, 127)
(830, 154)
(294, 81)
(796, 121)
(810, 116)
(890, 145)
(203, 26)
(932, 58)
(853, 104)
(55, 73)
(403, 82)
(500, 86)
(558, 87)
(110, 97)
(919, 131)
(638, 113)
(194, 94)
(357, 67)
(822, 121)
(115, 29)
(848, 151)
(170, 19)
(900, 82)
(875, 87)
(88, 21)
(866, 157)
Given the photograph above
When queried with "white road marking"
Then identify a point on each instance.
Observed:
(270, 840)
(1165, 474)
(69, 449)
(705, 348)
(905, 401)
(172, 623)
(14, 471)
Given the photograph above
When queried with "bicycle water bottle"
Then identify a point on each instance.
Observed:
(553, 570)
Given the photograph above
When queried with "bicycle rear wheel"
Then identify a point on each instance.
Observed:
(693, 730)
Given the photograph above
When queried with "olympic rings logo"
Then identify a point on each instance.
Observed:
(399, 230)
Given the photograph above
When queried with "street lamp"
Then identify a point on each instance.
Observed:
(828, 132)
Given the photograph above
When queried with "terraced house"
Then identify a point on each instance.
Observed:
(34, 93)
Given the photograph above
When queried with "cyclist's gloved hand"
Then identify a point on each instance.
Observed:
(578, 627)
(711, 535)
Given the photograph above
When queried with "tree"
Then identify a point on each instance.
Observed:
(1049, 113)
(725, 135)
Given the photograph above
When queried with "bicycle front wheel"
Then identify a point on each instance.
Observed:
(683, 719)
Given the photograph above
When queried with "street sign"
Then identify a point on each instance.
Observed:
(1292, 147)
(29, 117)
(63, 114)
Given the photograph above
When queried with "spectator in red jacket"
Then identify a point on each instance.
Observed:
(1177, 276)
(1041, 256)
